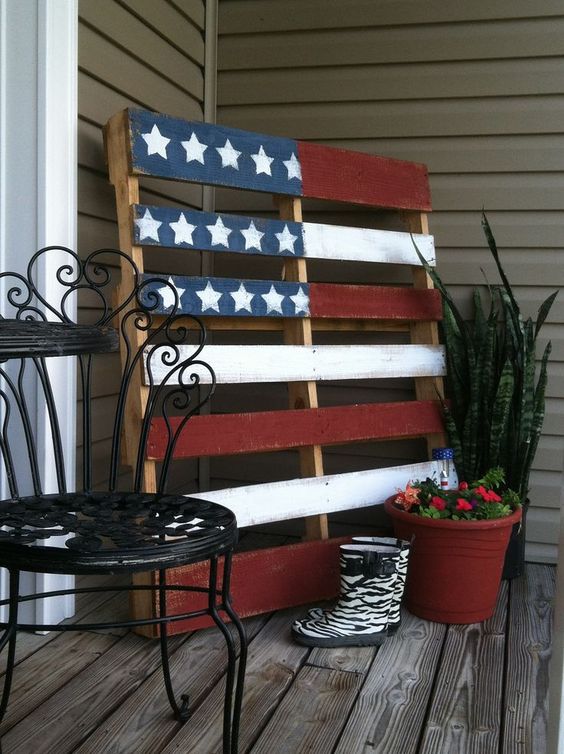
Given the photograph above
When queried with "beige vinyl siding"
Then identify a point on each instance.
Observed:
(140, 53)
(475, 91)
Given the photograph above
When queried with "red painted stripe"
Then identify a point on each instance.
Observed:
(262, 431)
(373, 302)
(345, 176)
(276, 575)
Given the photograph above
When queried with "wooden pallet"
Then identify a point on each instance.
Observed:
(141, 143)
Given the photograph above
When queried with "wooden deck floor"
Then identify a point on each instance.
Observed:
(431, 689)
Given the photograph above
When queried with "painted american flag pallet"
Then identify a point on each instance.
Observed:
(141, 143)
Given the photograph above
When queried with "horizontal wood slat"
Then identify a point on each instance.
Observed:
(170, 227)
(168, 147)
(372, 302)
(250, 364)
(262, 568)
(295, 498)
(229, 297)
(225, 434)
(344, 176)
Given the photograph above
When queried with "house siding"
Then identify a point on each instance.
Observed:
(133, 53)
(474, 90)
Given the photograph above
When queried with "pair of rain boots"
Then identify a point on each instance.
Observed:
(373, 572)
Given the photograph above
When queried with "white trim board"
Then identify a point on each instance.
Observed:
(279, 501)
(340, 242)
(249, 364)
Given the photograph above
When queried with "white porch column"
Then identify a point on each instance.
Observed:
(38, 202)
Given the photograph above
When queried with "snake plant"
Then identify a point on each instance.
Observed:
(496, 405)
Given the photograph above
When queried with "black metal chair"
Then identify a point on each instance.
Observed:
(111, 531)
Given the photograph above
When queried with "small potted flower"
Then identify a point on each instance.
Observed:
(459, 537)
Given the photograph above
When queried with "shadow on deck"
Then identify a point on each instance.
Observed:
(431, 689)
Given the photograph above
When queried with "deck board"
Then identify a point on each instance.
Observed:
(466, 706)
(529, 644)
(390, 710)
(431, 688)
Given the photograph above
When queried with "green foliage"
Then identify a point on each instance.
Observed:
(496, 410)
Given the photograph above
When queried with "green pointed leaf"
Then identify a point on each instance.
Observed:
(500, 413)
(543, 311)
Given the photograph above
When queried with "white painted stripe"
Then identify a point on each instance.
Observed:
(366, 244)
(278, 501)
(248, 364)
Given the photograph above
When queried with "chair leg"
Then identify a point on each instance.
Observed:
(9, 637)
(181, 712)
(230, 742)
(236, 719)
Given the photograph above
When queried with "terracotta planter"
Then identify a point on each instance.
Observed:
(455, 566)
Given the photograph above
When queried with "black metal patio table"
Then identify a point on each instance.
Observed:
(109, 530)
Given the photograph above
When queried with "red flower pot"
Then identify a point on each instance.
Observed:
(455, 567)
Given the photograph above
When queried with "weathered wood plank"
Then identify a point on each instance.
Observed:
(391, 706)
(274, 659)
(144, 720)
(277, 501)
(343, 176)
(169, 147)
(246, 364)
(261, 431)
(171, 227)
(263, 568)
(80, 706)
(234, 297)
(349, 659)
(467, 699)
(98, 604)
(528, 643)
(46, 672)
(312, 714)
(298, 332)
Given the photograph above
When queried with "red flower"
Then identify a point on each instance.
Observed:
(463, 486)
(408, 498)
(488, 496)
(438, 502)
(492, 497)
(463, 505)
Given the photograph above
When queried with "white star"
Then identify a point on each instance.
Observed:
(262, 161)
(301, 301)
(148, 226)
(286, 240)
(242, 299)
(167, 293)
(273, 300)
(219, 233)
(183, 230)
(252, 237)
(209, 297)
(293, 167)
(229, 156)
(194, 149)
(156, 142)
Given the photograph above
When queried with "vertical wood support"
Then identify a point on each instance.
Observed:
(116, 138)
(297, 331)
(426, 388)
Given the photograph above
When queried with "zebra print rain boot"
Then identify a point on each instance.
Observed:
(360, 617)
(394, 618)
